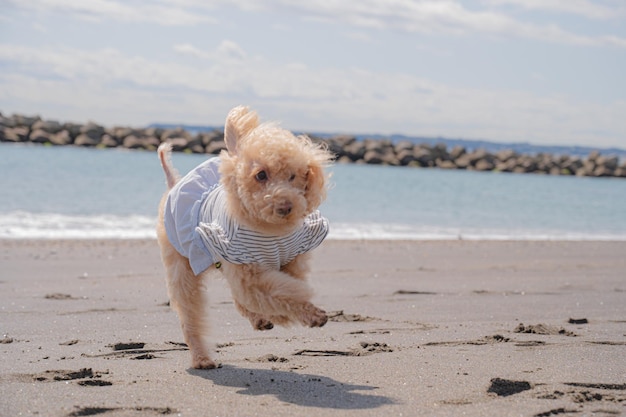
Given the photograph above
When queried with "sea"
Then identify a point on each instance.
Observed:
(79, 193)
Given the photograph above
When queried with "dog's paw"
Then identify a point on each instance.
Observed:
(262, 324)
(315, 317)
(282, 320)
(203, 362)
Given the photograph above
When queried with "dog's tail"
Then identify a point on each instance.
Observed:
(165, 156)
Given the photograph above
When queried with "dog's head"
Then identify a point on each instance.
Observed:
(273, 179)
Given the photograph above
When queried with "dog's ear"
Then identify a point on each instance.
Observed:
(316, 180)
(239, 122)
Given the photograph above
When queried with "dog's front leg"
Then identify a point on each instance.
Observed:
(298, 268)
(257, 321)
(274, 294)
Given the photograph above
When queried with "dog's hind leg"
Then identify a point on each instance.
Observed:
(187, 298)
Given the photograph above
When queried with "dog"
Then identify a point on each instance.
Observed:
(251, 213)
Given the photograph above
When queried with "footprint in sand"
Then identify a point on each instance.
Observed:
(487, 340)
(340, 316)
(59, 296)
(270, 358)
(86, 377)
(364, 349)
(543, 329)
(92, 411)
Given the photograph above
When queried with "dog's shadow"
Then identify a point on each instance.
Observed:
(301, 389)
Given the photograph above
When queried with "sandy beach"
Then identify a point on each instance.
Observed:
(437, 328)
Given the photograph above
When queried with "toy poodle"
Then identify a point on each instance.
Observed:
(251, 213)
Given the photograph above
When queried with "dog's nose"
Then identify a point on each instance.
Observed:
(284, 208)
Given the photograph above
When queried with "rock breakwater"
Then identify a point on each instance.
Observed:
(347, 149)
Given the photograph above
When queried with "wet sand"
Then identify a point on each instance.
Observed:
(441, 328)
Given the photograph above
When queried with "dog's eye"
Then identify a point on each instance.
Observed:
(261, 176)
(293, 177)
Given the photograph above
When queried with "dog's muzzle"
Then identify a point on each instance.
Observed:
(283, 209)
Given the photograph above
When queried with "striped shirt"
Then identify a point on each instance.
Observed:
(200, 228)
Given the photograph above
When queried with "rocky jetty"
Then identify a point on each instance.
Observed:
(347, 149)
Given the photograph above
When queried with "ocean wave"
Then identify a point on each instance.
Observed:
(25, 225)
(377, 231)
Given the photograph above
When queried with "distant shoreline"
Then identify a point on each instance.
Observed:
(347, 148)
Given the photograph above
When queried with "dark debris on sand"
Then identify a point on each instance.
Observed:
(504, 387)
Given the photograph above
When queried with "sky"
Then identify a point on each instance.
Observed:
(547, 72)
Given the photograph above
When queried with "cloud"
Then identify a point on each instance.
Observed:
(226, 50)
(126, 11)
(188, 49)
(449, 17)
(615, 41)
(584, 8)
(111, 87)
(453, 18)
(231, 50)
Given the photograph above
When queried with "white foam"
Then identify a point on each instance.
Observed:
(377, 231)
(24, 225)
